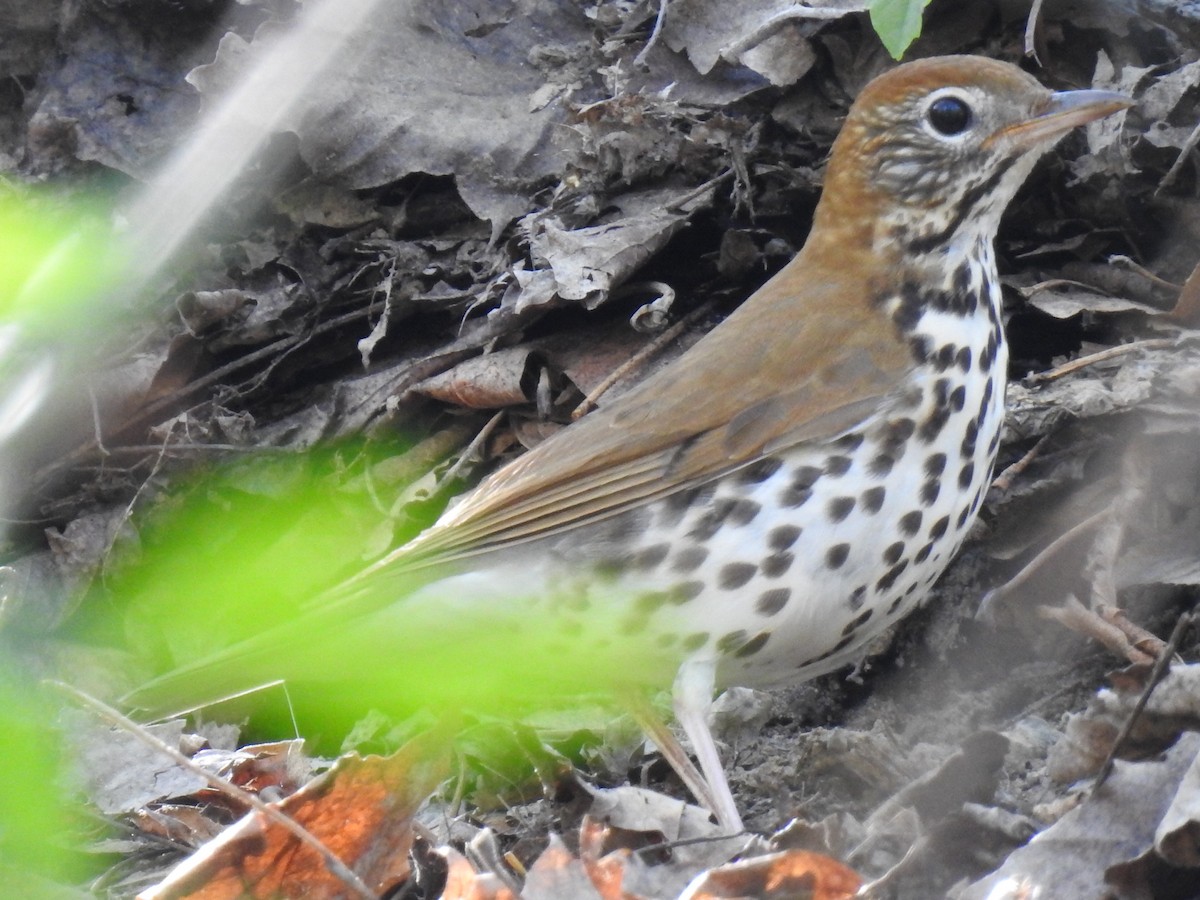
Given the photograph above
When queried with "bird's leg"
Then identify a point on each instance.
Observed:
(668, 745)
(693, 698)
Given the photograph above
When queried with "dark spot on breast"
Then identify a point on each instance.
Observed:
(962, 279)
(781, 537)
(988, 356)
(872, 499)
(896, 435)
(711, 521)
(650, 557)
(777, 563)
(895, 604)
(848, 443)
(890, 576)
(806, 476)
(772, 601)
(837, 465)
(650, 601)
(969, 439)
(964, 359)
(793, 497)
(753, 645)
(933, 425)
(935, 465)
(910, 308)
(910, 522)
(760, 470)
(929, 491)
(633, 624)
(688, 590)
(694, 641)
(689, 559)
(734, 575)
(675, 506)
(881, 464)
(893, 552)
(923, 553)
(744, 511)
(938, 530)
(842, 644)
(857, 622)
(958, 398)
(857, 596)
(730, 642)
(839, 508)
(965, 476)
(963, 516)
(919, 348)
(944, 358)
(836, 555)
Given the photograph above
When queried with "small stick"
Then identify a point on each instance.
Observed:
(339, 869)
(1102, 356)
(589, 402)
(1161, 666)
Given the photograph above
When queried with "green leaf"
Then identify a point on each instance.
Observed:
(897, 22)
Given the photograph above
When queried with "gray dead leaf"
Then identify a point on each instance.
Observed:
(1108, 153)
(558, 874)
(313, 203)
(237, 318)
(118, 97)
(1114, 825)
(87, 541)
(701, 845)
(493, 381)
(711, 30)
(1161, 98)
(437, 88)
(120, 773)
(1177, 838)
(33, 596)
(1064, 299)
(587, 263)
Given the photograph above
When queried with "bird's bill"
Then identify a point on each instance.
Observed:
(1063, 111)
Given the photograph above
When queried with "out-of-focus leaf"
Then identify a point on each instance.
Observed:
(897, 22)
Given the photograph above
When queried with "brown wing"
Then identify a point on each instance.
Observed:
(806, 358)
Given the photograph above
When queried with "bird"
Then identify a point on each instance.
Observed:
(759, 509)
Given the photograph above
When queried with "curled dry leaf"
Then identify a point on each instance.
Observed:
(1077, 856)
(778, 876)
(361, 810)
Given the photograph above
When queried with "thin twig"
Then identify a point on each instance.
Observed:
(338, 868)
(1120, 259)
(640, 59)
(472, 448)
(1102, 356)
(1004, 480)
(1161, 666)
(589, 402)
(1031, 27)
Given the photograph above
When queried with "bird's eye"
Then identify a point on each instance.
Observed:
(949, 115)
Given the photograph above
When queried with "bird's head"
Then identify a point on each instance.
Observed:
(932, 151)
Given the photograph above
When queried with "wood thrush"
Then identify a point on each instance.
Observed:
(761, 508)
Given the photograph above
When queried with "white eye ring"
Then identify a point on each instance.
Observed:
(948, 115)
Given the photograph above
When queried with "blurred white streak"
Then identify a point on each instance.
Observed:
(39, 384)
(233, 132)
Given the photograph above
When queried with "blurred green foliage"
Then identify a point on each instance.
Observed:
(56, 261)
(897, 22)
